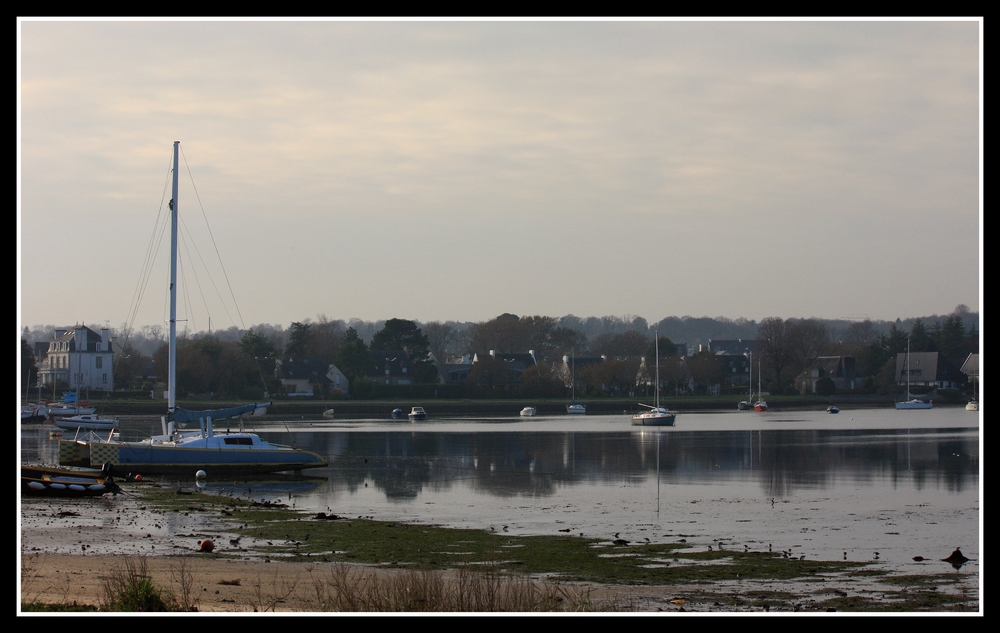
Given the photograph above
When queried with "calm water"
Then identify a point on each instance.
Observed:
(899, 483)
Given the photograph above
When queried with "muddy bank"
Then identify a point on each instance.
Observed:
(268, 557)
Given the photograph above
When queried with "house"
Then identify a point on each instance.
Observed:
(732, 347)
(302, 376)
(572, 366)
(391, 368)
(928, 369)
(455, 370)
(79, 358)
(840, 369)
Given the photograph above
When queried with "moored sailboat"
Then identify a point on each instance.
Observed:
(911, 402)
(656, 415)
(203, 448)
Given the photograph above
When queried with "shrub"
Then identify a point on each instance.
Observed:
(129, 588)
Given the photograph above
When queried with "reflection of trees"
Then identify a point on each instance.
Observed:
(507, 464)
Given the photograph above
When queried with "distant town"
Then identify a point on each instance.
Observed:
(512, 356)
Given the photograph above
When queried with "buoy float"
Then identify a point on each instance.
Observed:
(206, 545)
(201, 474)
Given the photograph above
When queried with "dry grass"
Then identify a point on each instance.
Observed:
(129, 587)
(352, 588)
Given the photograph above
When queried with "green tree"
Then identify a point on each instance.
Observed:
(353, 357)
(400, 334)
(667, 348)
(29, 372)
(298, 339)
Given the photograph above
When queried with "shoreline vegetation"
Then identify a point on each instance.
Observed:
(267, 556)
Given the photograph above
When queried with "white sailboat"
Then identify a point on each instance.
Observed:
(760, 405)
(911, 402)
(656, 415)
(201, 449)
(747, 405)
(575, 408)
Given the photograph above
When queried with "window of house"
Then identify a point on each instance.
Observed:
(99, 362)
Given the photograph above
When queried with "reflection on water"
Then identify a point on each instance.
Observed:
(856, 484)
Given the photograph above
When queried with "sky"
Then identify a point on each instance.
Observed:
(457, 170)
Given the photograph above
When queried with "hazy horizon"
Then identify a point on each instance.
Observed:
(456, 170)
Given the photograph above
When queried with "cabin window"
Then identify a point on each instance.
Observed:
(238, 440)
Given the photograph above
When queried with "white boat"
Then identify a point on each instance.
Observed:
(575, 408)
(832, 409)
(33, 412)
(657, 415)
(87, 423)
(528, 411)
(189, 451)
(760, 405)
(417, 413)
(972, 406)
(65, 409)
(911, 402)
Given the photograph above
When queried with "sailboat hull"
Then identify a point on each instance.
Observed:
(654, 419)
(914, 404)
(158, 459)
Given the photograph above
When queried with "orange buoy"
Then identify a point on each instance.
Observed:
(206, 545)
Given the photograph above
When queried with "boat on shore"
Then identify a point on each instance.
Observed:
(65, 482)
(832, 409)
(528, 412)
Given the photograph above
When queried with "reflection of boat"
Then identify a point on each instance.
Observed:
(328, 413)
(528, 411)
(417, 413)
(760, 405)
(87, 423)
(64, 482)
(832, 409)
(911, 402)
(397, 414)
(656, 416)
(189, 450)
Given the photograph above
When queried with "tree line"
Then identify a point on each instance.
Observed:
(230, 363)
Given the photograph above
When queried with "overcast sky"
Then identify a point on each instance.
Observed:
(458, 170)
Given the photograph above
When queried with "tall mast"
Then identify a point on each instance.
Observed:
(657, 334)
(172, 369)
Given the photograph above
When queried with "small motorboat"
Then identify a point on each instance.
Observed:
(744, 405)
(832, 409)
(972, 406)
(417, 413)
(576, 409)
(87, 423)
(528, 411)
(65, 482)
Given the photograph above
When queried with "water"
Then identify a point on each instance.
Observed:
(869, 480)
